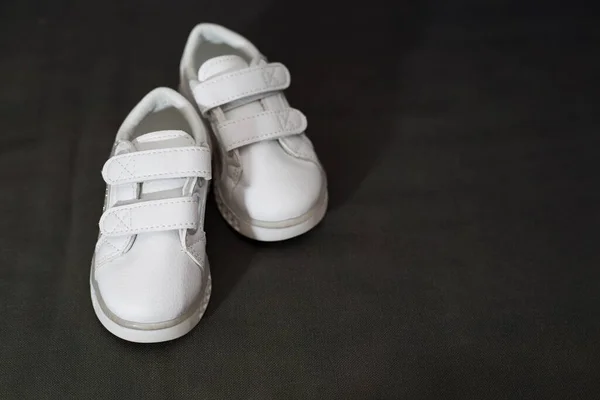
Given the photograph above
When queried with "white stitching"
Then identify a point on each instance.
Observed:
(241, 95)
(253, 138)
(167, 136)
(212, 63)
(290, 130)
(256, 116)
(266, 88)
(124, 167)
(131, 157)
(242, 72)
(144, 153)
(149, 228)
(101, 260)
(182, 174)
(126, 210)
(152, 204)
(125, 224)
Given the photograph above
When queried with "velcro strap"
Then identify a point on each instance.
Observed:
(236, 85)
(262, 126)
(140, 166)
(150, 216)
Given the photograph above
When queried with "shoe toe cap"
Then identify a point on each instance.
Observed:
(282, 193)
(150, 286)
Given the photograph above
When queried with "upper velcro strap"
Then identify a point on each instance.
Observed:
(236, 85)
(266, 125)
(140, 166)
(150, 216)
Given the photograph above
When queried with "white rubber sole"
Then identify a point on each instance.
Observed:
(273, 231)
(152, 333)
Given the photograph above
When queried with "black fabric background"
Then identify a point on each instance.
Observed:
(459, 256)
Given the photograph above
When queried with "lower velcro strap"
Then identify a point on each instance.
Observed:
(150, 216)
(266, 125)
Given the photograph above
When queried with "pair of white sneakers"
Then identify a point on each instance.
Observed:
(150, 278)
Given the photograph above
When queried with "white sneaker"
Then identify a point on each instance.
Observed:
(150, 279)
(269, 183)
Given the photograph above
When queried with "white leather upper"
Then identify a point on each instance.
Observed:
(155, 281)
(149, 261)
(269, 172)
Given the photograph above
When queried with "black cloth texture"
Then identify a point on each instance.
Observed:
(459, 256)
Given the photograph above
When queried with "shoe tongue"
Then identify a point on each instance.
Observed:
(222, 65)
(162, 188)
(162, 140)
